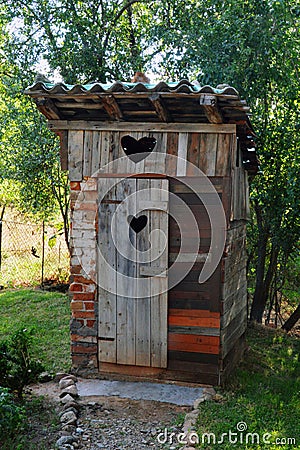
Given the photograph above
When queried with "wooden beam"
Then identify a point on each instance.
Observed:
(80, 105)
(63, 151)
(111, 107)
(138, 126)
(160, 108)
(212, 112)
(47, 107)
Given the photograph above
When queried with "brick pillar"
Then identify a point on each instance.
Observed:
(83, 287)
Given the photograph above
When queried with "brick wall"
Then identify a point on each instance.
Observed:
(83, 287)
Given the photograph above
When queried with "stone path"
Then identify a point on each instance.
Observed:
(114, 415)
(167, 393)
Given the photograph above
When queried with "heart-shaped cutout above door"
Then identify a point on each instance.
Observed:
(137, 223)
(137, 150)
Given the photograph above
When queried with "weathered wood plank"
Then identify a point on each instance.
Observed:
(111, 107)
(172, 149)
(104, 148)
(159, 303)
(48, 108)
(87, 153)
(199, 186)
(154, 373)
(211, 109)
(95, 164)
(237, 309)
(160, 108)
(193, 153)
(194, 321)
(211, 155)
(189, 257)
(143, 305)
(200, 358)
(75, 155)
(199, 331)
(63, 150)
(231, 334)
(195, 313)
(107, 327)
(134, 126)
(182, 154)
(193, 343)
(223, 160)
(126, 265)
(232, 359)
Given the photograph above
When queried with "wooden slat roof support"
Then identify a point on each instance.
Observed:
(160, 108)
(47, 107)
(210, 106)
(111, 107)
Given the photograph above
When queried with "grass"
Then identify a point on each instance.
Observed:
(49, 314)
(40, 427)
(264, 395)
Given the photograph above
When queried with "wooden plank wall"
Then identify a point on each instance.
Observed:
(89, 150)
(133, 331)
(194, 309)
(234, 289)
(202, 319)
(240, 209)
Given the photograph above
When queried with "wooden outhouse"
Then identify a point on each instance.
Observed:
(159, 200)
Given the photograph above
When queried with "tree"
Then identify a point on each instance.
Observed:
(250, 44)
(254, 45)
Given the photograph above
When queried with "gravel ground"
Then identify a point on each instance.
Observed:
(112, 423)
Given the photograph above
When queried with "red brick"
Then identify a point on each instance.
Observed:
(83, 314)
(88, 339)
(84, 349)
(89, 306)
(83, 280)
(90, 323)
(76, 270)
(84, 296)
(76, 287)
(79, 360)
(84, 206)
(77, 306)
(75, 186)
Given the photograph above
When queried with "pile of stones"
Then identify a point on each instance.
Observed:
(69, 413)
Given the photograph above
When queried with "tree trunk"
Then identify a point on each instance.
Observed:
(292, 320)
(263, 285)
(258, 304)
(259, 298)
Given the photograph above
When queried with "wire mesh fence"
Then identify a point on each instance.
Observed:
(31, 254)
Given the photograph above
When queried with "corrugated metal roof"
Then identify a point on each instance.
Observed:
(181, 87)
(180, 102)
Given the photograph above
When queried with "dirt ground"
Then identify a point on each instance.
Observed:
(114, 423)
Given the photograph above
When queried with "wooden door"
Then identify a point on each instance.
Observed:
(133, 239)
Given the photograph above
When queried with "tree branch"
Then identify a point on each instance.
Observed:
(122, 10)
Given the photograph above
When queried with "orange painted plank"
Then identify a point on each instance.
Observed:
(193, 343)
(201, 313)
(194, 321)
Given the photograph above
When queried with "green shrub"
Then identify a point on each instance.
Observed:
(12, 416)
(18, 368)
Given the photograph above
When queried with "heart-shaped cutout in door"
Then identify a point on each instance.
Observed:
(137, 150)
(137, 223)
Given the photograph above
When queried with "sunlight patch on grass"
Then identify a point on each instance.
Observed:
(49, 314)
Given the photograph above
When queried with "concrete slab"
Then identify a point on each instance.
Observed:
(167, 393)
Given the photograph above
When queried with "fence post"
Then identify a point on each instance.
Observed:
(43, 252)
(1, 218)
(0, 243)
